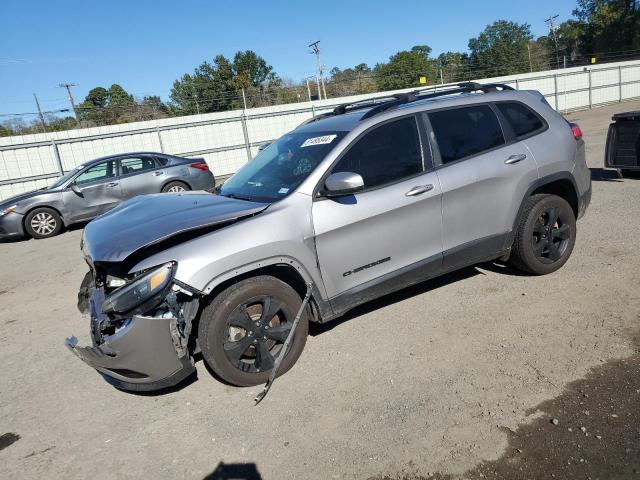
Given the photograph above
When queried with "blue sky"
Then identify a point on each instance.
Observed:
(145, 45)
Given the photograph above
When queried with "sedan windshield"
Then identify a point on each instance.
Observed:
(61, 180)
(281, 167)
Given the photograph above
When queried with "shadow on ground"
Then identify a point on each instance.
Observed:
(597, 434)
(235, 471)
(392, 298)
(605, 175)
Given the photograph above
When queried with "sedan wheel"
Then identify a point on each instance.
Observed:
(175, 187)
(43, 223)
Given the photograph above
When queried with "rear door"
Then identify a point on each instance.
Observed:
(484, 173)
(100, 191)
(393, 226)
(140, 175)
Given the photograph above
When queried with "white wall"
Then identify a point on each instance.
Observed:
(220, 139)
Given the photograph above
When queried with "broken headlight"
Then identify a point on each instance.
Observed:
(143, 293)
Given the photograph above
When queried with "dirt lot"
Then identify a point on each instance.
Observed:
(458, 376)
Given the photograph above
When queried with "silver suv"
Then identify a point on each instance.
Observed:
(350, 206)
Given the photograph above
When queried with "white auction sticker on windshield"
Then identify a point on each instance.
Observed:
(310, 142)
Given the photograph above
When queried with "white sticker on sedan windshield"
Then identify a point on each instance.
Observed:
(310, 142)
(283, 190)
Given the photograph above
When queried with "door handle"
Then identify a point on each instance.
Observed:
(112, 184)
(159, 172)
(515, 159)
(420, 189)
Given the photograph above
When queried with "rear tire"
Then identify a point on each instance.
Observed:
(175, 187)
(242, 331)
(43, 222)
(545, 235)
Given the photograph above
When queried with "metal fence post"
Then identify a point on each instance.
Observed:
(56, 156)
(555, 86)
(159, 139)
(517, 85)
(619, 83)
(245, 132)
(590, 92)
(313, 110)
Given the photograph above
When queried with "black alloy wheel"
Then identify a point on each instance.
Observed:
(255, 333)
(551, 235)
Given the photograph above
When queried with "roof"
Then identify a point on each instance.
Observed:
(118, 155)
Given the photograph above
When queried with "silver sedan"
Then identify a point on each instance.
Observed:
(97, 186)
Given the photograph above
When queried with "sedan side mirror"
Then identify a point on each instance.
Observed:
(342, 183)
(76, 189)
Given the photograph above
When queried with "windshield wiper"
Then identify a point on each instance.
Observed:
(238, 197)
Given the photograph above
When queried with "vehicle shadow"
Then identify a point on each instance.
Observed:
(235, 471)
(604, 175)
(395, 297)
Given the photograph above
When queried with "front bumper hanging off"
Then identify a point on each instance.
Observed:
(140, 356)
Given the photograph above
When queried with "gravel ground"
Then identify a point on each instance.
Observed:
(460, 376)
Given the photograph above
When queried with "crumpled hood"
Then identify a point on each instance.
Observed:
(149, 219)
(15, 200)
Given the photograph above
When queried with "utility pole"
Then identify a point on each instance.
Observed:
(44, 125)
(195, 99)
(308, 90)
(73, 105)
(530, 64)
(315, 49)
(552, 30)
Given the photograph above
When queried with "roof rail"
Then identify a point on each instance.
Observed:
(381, 104)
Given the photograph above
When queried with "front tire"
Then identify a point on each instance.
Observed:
(242, 331)
(545, 236)
(43, 223)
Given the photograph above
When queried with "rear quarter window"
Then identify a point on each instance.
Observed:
(521, 118)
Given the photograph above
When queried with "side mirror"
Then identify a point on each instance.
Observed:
(76, 189)
(342, 183)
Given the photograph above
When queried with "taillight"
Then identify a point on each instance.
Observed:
(577, 133)
(200, 166)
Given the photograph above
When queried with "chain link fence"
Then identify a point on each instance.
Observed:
(227, 140)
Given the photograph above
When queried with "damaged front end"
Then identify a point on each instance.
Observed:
(140, 328)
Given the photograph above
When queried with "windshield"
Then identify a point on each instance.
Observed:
(61, 180)
(281, 167)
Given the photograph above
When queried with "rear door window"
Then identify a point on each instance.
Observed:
(522, 119)
(385, 154)
(136, 165)
(462, 132)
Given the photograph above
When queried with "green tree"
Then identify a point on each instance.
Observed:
(405, 68)
(350, 81)
(454, 66)
(217, 86)
(5, 130)
(501, 49)
(610, 25)
(93, 108)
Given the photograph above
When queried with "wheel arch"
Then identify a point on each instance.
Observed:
(286, 269)
(562, 187)
(35, 207)
(172, 180)
(561, 184)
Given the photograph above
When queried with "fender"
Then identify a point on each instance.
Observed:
(323, 306)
